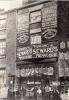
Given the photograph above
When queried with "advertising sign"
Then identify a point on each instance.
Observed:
(64, 45)
(25, 72)
(35, 39)
(35, 17)
(23, 27)
(49, 22)
(45, 51)
(24, 53)
(49, 50)
(22, 38)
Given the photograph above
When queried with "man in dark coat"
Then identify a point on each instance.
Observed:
(47, 92)
(56, 95)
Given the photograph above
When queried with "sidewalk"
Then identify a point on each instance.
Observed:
(65, 97)
(21, 98)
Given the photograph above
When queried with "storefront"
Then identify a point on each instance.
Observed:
(33, 74)
(37, 49)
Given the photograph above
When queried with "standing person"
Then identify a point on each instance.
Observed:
(56, 94)
(47, 92)
(43, 93)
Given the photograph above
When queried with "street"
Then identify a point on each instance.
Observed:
(63, 96)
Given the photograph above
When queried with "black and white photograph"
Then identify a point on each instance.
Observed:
(34, 49)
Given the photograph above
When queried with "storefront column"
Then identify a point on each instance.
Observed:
(56, 71)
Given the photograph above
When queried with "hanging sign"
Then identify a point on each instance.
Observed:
(62, 45)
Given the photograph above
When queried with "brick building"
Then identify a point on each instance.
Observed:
(36, 45)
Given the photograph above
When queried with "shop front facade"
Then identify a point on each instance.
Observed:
(34, 74)
(37, 49)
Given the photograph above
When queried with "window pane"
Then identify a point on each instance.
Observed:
(2, 44)
(2, 51)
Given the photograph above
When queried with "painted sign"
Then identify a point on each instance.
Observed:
(49, 21)
(47, 70)
(49, 33)
(24, 53)
(45, 51)
(35, 16)
(35, 39)
(22, 38)
(23, 27)
(38, 51)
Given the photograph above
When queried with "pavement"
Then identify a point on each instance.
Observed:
(63, 97)
(21, 98)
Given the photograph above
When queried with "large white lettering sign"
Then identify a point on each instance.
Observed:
(48, 51)
(38, 51)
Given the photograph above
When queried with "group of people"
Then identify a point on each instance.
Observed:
(51, 93)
